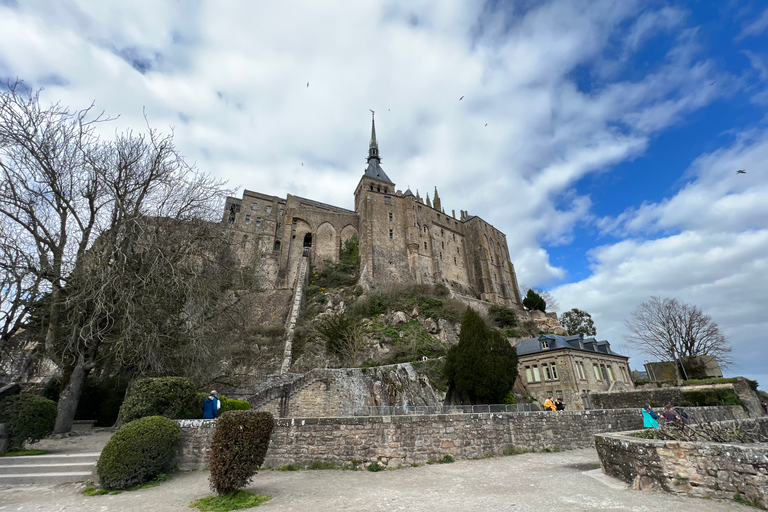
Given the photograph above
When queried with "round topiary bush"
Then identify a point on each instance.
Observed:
(137, 452)
(238, 449)
(27, 418)
(172, 397)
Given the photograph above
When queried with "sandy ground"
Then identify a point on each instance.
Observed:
(568, 481)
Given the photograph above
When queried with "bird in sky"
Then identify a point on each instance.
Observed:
(307, 84)
(486, 124)
(713, 83)
(741, 171)
(389, 109)
(461, 98)
(302, 164)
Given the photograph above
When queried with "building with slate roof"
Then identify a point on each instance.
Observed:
(402, 238)
(570, 367)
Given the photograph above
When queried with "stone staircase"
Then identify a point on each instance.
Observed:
(302, 278)
(47, 469)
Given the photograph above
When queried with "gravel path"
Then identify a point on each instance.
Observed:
(568, 481)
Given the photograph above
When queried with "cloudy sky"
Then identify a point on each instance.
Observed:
(603, 137)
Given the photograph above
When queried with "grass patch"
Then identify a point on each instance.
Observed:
(23, 453)
(318, 464)
(289, 467)
(93, 491)
(374, 467)
(237, 500)
(511, 450)
(162, 477)
(738, 498)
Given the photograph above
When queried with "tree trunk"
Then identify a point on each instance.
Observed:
(70, 397)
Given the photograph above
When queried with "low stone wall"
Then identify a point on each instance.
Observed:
(673, 395)
(701, 469)
(415, 439)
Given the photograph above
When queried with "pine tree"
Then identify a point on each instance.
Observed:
(534, 301)
(483, 366)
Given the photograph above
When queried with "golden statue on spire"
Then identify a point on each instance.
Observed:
(372, 112)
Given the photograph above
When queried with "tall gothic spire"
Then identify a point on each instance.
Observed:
(374, 170)
(373, 147)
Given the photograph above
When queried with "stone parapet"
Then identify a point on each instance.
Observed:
(416, 439)
(700, 469)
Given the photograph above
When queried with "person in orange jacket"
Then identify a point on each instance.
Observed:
(550, 404)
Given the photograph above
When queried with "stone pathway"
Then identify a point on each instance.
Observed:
(567, 481)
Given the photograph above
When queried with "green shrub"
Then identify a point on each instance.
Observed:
(503, 316)
(138, 452)
(712, 397)
(228, 404)
(27, 418)
(238, 449)
(172, 397)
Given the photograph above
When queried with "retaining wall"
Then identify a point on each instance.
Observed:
(416, 439)
(701, 469)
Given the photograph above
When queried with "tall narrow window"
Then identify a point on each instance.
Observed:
(419, 208)
(269, 209)
(247, 219)
(597, 371)
(553, 367)
(610, 373)
(391, 234)
(528, 374)
(277, 245)
(258, 221)
(536, 376)
(425, 246)
(387, 200)
(254, 206)
(390, 217)
(547, 373)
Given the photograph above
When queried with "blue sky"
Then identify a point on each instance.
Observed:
(590, 132)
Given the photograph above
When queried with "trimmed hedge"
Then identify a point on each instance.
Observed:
(711, 397)
(238, 449)
(27, 418)
(172, 397)
(138, 452)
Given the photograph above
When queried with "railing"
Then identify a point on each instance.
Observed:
(398, 410)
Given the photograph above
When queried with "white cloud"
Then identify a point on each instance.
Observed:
(715, 257)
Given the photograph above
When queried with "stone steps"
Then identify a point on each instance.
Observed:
(47, 469)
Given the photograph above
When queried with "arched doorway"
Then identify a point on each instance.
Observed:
(308, 240)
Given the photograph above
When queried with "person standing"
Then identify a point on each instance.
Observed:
(650, 418)
(211, 406)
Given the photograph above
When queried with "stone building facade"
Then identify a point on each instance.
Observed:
(570, 367)
(402, 238)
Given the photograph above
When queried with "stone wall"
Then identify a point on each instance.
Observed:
(415, 439)
(713, 470)
(673, 395)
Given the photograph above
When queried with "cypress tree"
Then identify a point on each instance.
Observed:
(483, 366)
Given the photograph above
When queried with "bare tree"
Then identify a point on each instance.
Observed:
(669, 330)
(99, 254)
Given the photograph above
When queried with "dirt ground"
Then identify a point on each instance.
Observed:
(569, 481)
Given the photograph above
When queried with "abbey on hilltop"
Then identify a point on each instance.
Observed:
(402, 238)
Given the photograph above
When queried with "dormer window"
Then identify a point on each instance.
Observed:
(544, 344)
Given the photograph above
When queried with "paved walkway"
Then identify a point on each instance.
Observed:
(567, 481)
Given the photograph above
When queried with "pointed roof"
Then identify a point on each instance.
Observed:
(374, 170)
(408, 192)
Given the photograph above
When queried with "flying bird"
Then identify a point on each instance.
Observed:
(461, 98)
(307, 84)
(302, 164)
(389, 109)
(741, 171)
(486, 124)
(713, 83)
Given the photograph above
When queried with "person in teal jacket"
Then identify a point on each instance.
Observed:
(650, 418)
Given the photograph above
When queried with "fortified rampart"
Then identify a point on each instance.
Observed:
(406, 440)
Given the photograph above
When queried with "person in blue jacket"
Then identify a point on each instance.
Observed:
(650, 418)
(211, 406)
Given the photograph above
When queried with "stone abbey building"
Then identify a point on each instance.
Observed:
(402, 238)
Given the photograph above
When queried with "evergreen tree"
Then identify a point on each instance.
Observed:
(483, 366)
(534, 301)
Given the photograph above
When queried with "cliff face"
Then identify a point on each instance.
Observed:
(353, 391)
